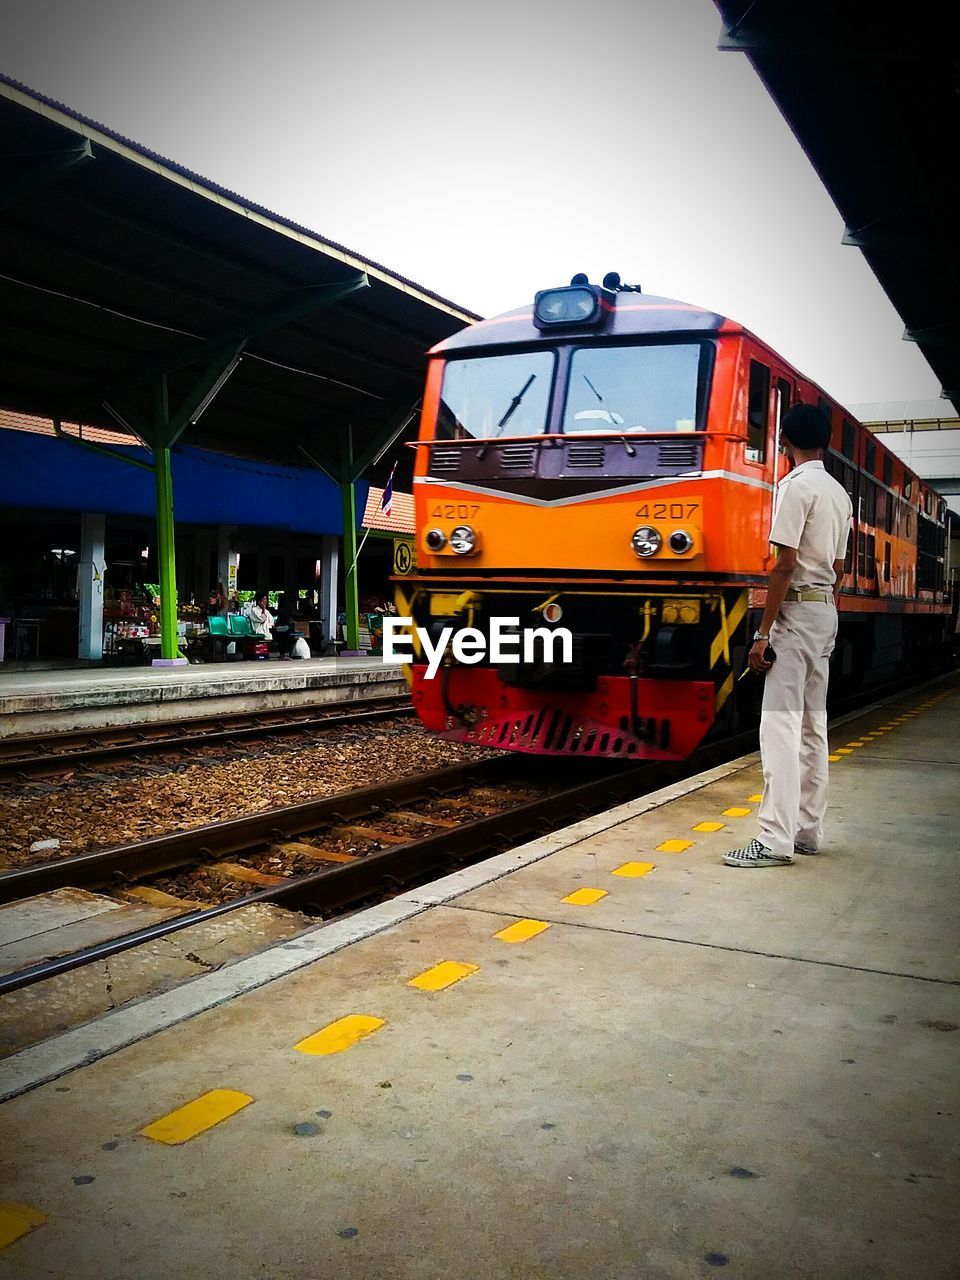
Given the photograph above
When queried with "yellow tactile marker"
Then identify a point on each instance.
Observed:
(442, 975)
(522, 931)
(736, 812)
(834, 759)
(633, 870)
(584, 897)
(674, 846)
(755, 799)
(196, 1116)
(340, 1035)
(709, 826)
(16, 1220)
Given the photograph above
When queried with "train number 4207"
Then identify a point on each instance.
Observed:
(454, 511)
(668, 510)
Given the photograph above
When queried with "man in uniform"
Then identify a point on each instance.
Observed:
(810, 530)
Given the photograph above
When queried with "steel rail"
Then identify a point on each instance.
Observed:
(126, 863)
(346, 884)
(39, 760)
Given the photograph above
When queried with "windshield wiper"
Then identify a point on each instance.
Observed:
(512, 407)
(631, 451)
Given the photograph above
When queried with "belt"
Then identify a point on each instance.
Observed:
(818, 594)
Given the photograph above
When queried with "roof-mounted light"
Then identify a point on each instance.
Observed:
(579, 305)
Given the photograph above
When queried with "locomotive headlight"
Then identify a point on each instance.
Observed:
(435, 539)
(646, 541)
(463, 540)
(574, 305)
(680, 541)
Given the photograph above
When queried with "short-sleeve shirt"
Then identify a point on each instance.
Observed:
(813, 515)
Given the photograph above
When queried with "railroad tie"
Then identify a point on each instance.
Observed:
(246, 875)
(298, 849)
(350, 832)
(421, 819)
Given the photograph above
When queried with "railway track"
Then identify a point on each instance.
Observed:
(53, 754)
(389, 864)
(382, 863)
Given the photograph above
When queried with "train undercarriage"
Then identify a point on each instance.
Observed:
(652, 671)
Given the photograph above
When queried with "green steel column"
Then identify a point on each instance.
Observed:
(349, 499)
(166, 557)
(166, 552)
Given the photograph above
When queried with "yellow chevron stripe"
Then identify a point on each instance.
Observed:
(404, 604)
(734, 618)
(724, 692)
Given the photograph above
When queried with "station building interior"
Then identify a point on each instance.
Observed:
(290, 371)
(219, 544)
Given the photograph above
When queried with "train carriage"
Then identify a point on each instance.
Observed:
(605, 462)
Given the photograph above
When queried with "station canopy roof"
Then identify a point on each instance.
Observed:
(117, 265)
(873, 96)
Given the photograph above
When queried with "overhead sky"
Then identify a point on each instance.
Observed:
(489, 150)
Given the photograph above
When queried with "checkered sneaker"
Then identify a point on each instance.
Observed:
(756, 854)
(808, 849)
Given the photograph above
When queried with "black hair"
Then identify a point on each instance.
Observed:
(806, 426)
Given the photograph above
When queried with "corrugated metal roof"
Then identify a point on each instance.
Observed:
(214, 188)
(129, 261)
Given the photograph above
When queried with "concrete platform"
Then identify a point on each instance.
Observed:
(53, 924)
(50, 701)
(704, 1068)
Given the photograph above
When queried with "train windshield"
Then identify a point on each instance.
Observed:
(640, 388)
(495, 396)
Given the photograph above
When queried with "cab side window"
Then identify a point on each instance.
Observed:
(758, 411)
(848, 438)
(783, 399)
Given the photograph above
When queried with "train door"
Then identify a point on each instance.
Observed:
(848, 473)
(783, 395)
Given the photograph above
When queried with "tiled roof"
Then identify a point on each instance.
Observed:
(11, 421)
(400, 519)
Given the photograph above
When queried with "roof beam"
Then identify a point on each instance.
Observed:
(322, 460)
(301, 303)
(830, 45)
(232, 309)
(53, 169)
(875, 235)
(946, 334)
(204, 391)
(387, 435)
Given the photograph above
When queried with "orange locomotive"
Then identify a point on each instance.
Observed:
(605, 462)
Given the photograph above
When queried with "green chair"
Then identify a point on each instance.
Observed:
(238, 624)
(220, 636)
(252, 643)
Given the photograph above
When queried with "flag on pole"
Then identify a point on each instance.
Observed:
(386, 502)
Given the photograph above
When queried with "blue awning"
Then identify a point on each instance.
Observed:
(208, 488)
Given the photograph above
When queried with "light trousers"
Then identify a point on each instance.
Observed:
(793, 726)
